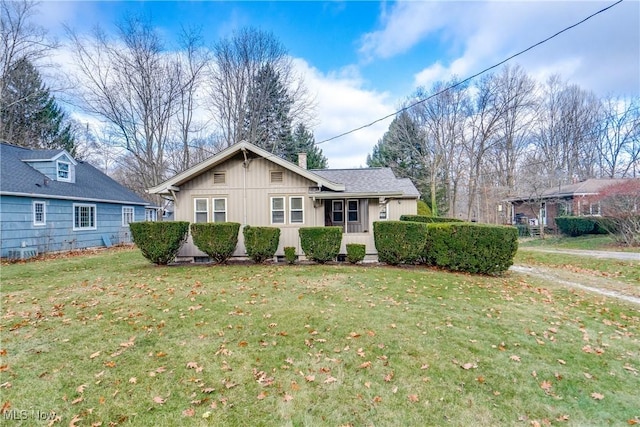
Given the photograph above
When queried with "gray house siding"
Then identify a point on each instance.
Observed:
(58, 233)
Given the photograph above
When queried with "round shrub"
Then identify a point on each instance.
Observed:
(355, 252)
(216, 239)
(320, 244)
(290, 254)
(261, 242)
(160, 241)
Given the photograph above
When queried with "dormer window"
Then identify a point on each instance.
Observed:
(64, 171)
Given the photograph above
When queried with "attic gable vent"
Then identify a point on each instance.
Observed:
(277, 177)
(219, 178)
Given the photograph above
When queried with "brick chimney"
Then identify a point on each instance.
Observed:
(302, 160)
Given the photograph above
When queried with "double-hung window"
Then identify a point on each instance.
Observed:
(84, 217)
(64, 171)
(201, 210)
(128, 215)
(39, 213)
(296, 210)
(277, 210)
(352, 211)
(337, 211)
(219, 210)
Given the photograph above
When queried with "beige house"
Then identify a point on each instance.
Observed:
(249, 185)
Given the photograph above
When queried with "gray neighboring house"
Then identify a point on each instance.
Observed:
(50, 201)
(251, 186)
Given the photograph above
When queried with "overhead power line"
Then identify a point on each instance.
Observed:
(470, 77)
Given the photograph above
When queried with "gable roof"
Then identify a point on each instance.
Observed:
(588, 187)
(243, 146)
(375, 182)
(18, 178)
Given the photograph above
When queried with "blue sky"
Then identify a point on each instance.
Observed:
(361, 59)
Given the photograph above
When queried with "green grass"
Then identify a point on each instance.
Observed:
(112, 339)
(587, 242)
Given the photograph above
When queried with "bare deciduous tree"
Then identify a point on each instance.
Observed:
(237, 62)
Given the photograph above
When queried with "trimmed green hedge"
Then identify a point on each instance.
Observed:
(261, 242)
(160, 241)
(216, 239)
(474, 248)
(428, 219)
(355, 252)
(399, 242)
(575, 226)
(320, 244)
(290, 254)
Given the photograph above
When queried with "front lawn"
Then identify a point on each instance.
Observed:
(110, 339)
(592, 242)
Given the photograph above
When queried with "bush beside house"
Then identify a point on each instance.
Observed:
(159, 242)
(399, 242)
(321, 244)
(261, 242)
(216, 239)
(355, 252)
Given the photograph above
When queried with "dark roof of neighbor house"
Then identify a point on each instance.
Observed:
(370, 181)
(17, 177)
(588, 187)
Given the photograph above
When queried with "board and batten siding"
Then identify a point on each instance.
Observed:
(57, 234)
(249, 191)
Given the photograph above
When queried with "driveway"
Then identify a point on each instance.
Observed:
(600, 285)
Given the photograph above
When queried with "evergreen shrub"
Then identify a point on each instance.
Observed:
(320, 244)
(428, 219)
(159, 241)
(575, 226)
(470, 247)
(399, 242)
(216, 239)
(261, 242)
(290, 254)
(355, 252)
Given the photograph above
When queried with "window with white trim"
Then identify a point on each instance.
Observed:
(63, 171)
(277, 210)
(337, 211)
(200, 210)
(353, 209)
(296, 210)
(128, 215)
(39, 213)
(150, 215)
(84, 217)
(219, 210)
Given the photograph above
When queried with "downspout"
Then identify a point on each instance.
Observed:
(245, 166)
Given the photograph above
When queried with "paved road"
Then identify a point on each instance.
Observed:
(625, 256)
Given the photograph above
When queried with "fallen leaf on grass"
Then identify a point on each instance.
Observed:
(515, 358)
(310, 378)
(288, 397)
(262, 395)
(468, 366)
(133, 380)
(159, 400)
(413, 398)
(330, 380)
(190, 412)
(5, 407)
(562, 362)
(76, 419)
(94, 355)
(597, 396)
(81, 388)
(78, 400)
(546, 385)
(563, 418)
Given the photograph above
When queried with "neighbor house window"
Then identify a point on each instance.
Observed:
(128, 215)
(64, 172)
(296, 210)
(201, 210)
(84, 217)
(337, 211)
(277, 210)
(219, 210)
(150, 215)
(39, 213)
(352, 211)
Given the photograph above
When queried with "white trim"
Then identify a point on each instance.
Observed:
(94, 216)
(68, 171)
(283, 210)
(214, 211)
(44, 212)
(291, 210)
(357, 211)
(196, 211)
(130, 210)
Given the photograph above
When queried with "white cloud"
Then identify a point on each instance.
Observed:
(342, 105)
